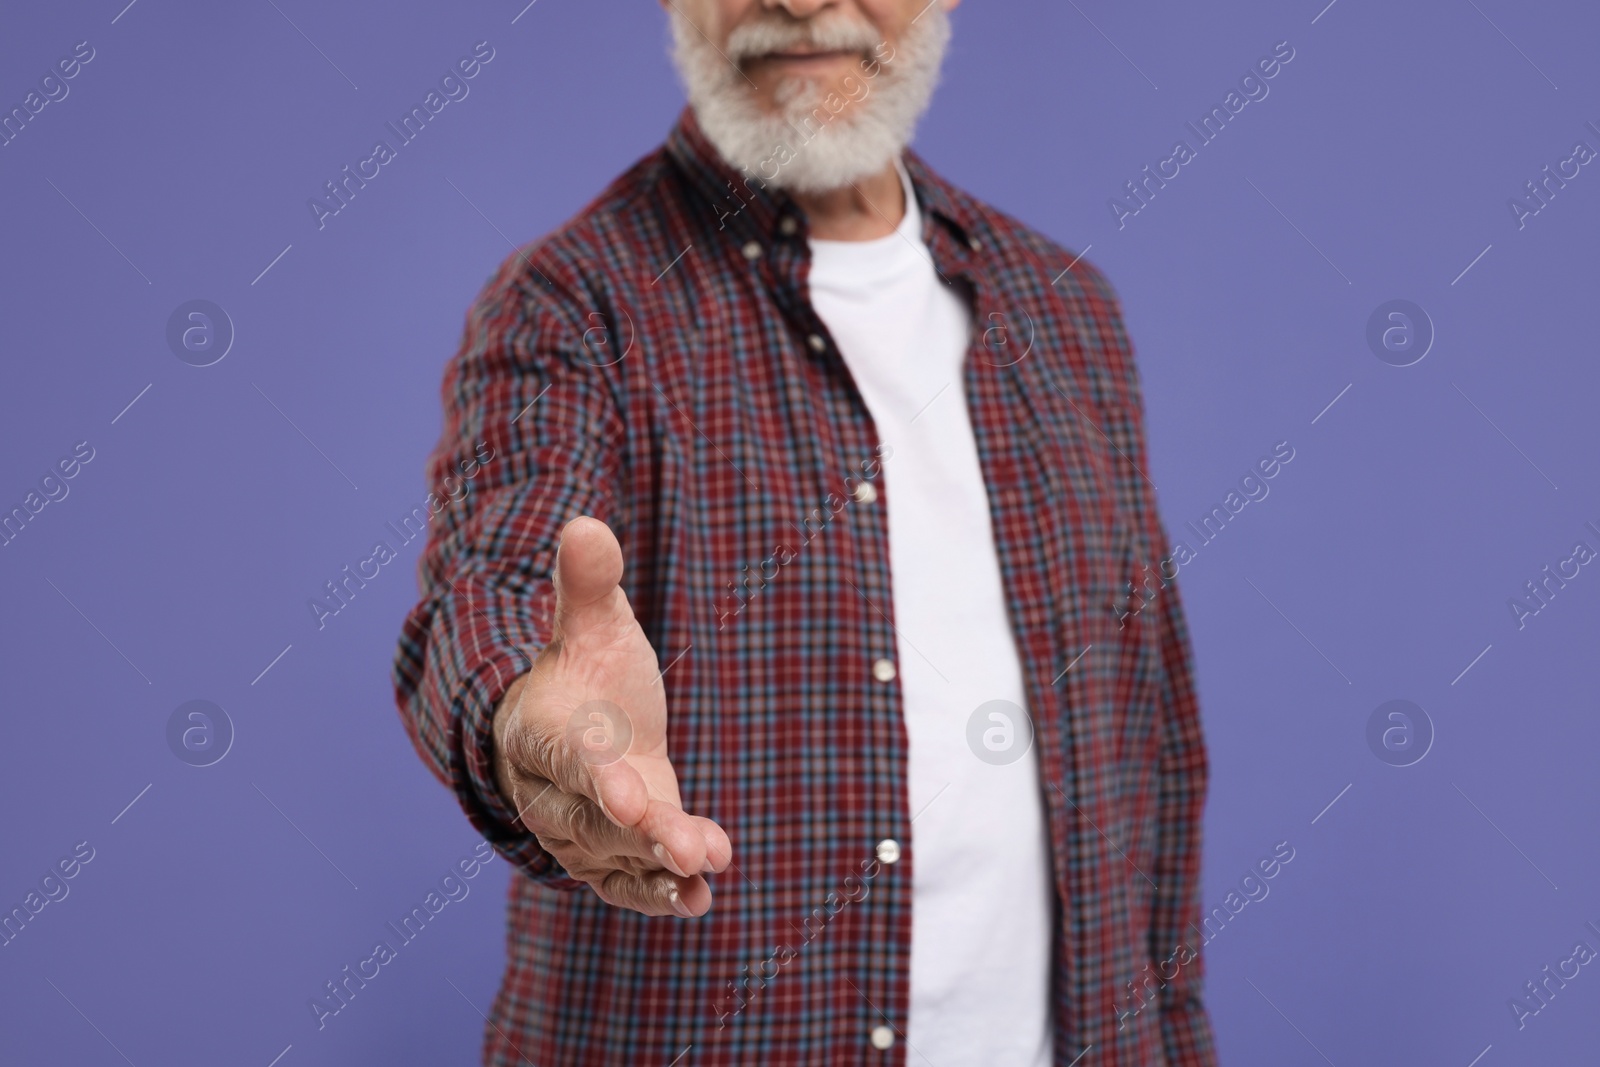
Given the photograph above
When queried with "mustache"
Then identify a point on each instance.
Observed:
(781, 35)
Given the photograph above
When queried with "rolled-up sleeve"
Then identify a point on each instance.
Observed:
(531, 439)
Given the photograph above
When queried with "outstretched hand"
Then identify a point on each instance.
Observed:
(581, 746)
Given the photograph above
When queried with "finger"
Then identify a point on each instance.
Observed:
(657, 894)
(528, 795)
(719, 849)
(588, 572)
(619, 789)
(682, 841)
(664, 839)
(539, 751)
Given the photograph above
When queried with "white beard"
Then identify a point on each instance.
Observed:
(805, 146)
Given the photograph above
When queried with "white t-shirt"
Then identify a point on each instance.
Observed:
(982, 892)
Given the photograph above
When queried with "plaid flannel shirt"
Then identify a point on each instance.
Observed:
(656, 363)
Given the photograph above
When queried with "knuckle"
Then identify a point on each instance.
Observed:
(551, 753)
(579, 865)
(528, 749)
(590, 825)
(551, 815)
(625, 890)
(532, 799)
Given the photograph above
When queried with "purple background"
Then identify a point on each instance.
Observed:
(1416, 905)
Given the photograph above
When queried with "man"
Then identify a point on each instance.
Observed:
(801, 568)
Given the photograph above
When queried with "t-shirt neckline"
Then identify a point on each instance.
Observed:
(876, 255)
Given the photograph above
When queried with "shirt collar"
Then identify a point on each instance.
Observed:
(751, 208)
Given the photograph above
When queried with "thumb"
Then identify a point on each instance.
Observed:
(588, 569)
(589, 600)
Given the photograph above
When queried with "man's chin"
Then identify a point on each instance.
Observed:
(800, 145)
(798, 95)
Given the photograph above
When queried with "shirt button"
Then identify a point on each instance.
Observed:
(883, 670)
(752, 250)
(974, 243)
(882, 1038)
(787, 225)
(816, 342)
(865, 493)
(888, 851)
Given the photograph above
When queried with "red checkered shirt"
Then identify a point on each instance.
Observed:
(656, 363)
